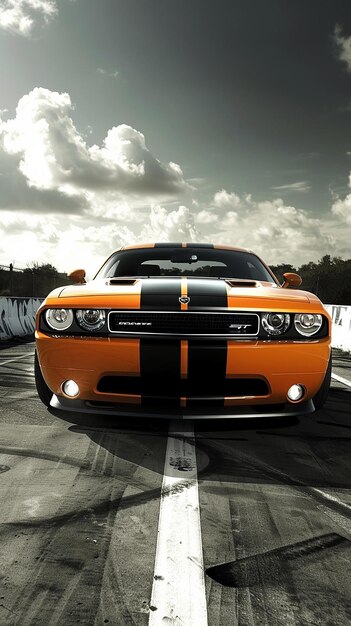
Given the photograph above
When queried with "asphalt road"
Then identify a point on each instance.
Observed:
(80, 505)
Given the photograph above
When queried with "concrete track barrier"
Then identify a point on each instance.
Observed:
(341, 332)
(17, 316)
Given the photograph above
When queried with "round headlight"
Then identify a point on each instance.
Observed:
(91, 319)
(275, 323)
(59, 319)
(308, 324)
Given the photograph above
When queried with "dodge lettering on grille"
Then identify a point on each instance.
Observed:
(134, 323)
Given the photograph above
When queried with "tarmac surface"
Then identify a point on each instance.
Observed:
(80, 507)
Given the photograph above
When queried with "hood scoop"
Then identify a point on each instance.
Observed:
(121, 281)
(243, 282)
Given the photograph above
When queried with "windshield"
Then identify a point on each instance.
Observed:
(190, 261)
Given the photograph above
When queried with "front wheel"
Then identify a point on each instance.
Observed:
(322, 395)
(44, 393)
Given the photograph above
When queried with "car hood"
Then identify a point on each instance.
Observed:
(204, 292)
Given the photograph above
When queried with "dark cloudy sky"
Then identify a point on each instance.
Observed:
(139, 120)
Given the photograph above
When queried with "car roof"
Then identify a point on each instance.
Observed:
(183, 245)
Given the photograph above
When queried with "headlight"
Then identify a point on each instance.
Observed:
(275, 323)
(307, 324)
(91, 319)
(59, 319)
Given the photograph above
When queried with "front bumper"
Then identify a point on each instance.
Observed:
(87, 359)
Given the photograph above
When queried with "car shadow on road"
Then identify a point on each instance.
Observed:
(279, 451)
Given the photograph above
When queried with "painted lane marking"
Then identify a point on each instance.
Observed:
(178, 593)
(342, 380)
(31, 354)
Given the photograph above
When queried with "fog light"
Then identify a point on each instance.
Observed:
(295, 393)
(70, 388)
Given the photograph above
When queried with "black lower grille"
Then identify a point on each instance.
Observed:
(184, 323)
(163, 387)
(200, 411)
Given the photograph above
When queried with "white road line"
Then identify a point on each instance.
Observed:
(340, 379)
(178, 593)
(16, 358)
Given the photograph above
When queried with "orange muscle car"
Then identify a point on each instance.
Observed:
(183, 330)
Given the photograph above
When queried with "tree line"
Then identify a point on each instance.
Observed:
(35, 281)
(329, 278)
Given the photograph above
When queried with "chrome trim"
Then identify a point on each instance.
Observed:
(155, 334)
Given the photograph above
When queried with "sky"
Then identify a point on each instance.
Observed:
(127, 121)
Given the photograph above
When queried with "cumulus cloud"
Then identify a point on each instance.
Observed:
(343, 45)
(230, 220)
(225, 200)
(20, 16)
(342, 209)
(55, 156)
(110, 211)
(165, 225)
(273, 229)
(206, 217)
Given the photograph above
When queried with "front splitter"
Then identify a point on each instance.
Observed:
(81, 406)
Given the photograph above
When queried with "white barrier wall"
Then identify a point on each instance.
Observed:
(341, 331)
(17, 316)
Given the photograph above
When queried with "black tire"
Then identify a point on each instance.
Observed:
(322, 395)
(44, 393)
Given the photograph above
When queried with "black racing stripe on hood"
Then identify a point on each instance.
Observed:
(157, 294)
(209, 293)
(207, 366)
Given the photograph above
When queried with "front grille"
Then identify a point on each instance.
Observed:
(185, 323)
(165, 387)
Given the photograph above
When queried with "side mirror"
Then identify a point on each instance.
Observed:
(77, 276)
(291, 280)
